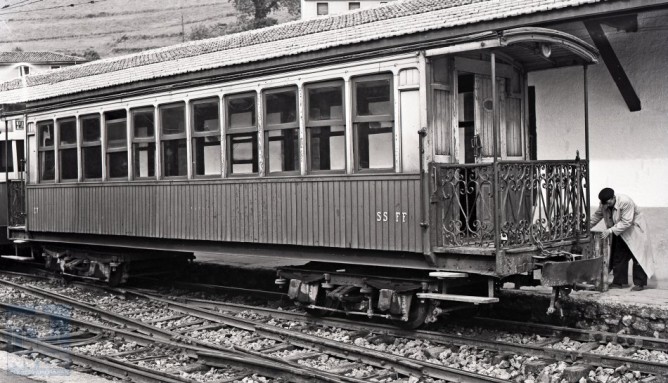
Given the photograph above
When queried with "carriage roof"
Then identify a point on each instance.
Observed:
(401, 19)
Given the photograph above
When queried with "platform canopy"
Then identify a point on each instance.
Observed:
(533, 48)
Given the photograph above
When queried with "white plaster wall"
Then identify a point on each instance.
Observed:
(309, 8)
(11, 71)
(628, 150)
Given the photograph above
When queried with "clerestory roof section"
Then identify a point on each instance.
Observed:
(37, 57)
(403, 18)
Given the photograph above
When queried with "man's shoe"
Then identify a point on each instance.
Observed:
(615, 286)
(637, 288)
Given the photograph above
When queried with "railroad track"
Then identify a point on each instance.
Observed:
(300, 357)
(359, 343)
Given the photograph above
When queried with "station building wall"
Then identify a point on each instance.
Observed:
(628, 150)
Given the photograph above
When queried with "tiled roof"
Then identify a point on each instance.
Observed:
(394, 19)
(37, 57)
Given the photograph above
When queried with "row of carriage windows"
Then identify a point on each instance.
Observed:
(373, 132)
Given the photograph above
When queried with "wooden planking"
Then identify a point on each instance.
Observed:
(310, 212)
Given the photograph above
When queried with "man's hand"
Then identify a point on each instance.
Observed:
(605, 233)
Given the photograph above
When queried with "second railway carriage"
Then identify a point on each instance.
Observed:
(390, 147)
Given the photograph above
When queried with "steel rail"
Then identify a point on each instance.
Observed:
(380, 359)
(111, 317)
(267, 367)
(224, 289)
(575, 333)
(320, 374)
(100, 365)
(499, 346)
(139, 338)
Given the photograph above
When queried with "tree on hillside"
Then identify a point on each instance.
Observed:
(257, 11)
(91, 55)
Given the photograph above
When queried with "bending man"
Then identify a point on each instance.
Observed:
(630, 239)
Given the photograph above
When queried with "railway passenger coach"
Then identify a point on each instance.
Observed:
(387, 146)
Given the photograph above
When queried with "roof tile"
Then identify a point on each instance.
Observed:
(395, 19)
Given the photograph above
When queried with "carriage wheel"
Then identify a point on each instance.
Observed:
(416, 315)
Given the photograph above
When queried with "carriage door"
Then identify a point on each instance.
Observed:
(510, 135)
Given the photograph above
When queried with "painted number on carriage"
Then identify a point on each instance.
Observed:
(397, 216)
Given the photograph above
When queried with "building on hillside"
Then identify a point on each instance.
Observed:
(17, 64)
(317, 8)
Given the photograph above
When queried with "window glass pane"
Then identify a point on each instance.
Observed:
(117, 134)
(68, 164)
(92, 162)
(241, 112)
(243, 153)
(353, 5)
(283, 150)
(47, 165)
(6, 158)
(327, 148)
(325, 103)
(206, 153)
(173, 119)
(90, 129)
(322, 9)
(281, 107)
(68, 132)
(142, 123)
(205, 116)
(174, 158)
(118, 164)
(373, 98)
(46, 133)
(21, 155)
(375, 145)
(144, 157)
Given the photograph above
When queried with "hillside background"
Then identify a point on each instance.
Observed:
(109, 27)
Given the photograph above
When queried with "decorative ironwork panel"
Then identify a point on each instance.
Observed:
(16, 195)
(538, 202)
(463, 199)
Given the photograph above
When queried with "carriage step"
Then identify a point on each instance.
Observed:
(447, 274)
(458, 298)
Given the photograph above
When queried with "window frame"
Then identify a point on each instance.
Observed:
(352, 4)
(172, 137)
(280, 126)
(108, 150)
(142, 140)
(373, 118)
(241, 131)
(208, 133)
(62, 146)
(90, 144)
(326, 8)
(44, 148)
(325, 123)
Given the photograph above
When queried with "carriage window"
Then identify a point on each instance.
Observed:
(174, 150)
(67, 150)
(91, 147)
(206, 137)
(47, 162)
(325, 127)
(6, 157)
(143, 142)
(281, 131)
(373, 122)
(117, 144)
(241, 134)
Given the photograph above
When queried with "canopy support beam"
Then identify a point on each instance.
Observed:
(614, 66)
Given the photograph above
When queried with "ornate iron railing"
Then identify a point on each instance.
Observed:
(533, 202)
(16, 195)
